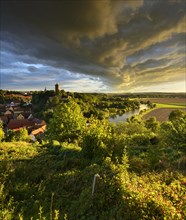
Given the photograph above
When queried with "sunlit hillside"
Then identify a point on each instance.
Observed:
(96, 170)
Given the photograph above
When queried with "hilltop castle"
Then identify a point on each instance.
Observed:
(57, 88)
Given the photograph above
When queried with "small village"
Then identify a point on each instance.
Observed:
(17, 112)
(16, 115)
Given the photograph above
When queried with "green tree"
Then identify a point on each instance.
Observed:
(67, 123)
(178, 120)
(55, 100)
(176, 114)
(152, 124)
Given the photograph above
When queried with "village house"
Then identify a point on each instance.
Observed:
(14, 117)
(15, 111)
(16, 124)
(34, 126)
(19, 116)
(9, 114)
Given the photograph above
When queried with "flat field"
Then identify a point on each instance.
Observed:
(161, 114)
(164, 106)
(167, 101)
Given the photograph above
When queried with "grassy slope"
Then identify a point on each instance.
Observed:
(59, 178)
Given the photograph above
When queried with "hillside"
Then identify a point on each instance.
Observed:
(140, 169)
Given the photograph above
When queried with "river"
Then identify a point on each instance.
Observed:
(123, 118)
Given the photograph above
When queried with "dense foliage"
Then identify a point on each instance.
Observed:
(98, 105)
(9, 96)
(67, 123)
(140, 169)
(20, 135)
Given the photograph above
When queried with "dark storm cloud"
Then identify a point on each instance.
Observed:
(122, 42)
(68, 20)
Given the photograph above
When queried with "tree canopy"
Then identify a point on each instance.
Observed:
(67, 122)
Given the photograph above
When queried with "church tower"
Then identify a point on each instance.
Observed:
(57, 88)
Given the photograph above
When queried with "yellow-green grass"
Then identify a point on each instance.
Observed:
(180, 104)
(171, 105)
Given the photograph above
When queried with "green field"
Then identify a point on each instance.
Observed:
(171, 105)
(180, 104)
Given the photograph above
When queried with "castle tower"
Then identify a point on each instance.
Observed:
(57, 88)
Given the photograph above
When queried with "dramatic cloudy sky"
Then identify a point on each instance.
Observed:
(93, 45)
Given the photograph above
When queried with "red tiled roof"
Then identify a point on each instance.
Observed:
(33, 126)
(15, 124)
(37, 121)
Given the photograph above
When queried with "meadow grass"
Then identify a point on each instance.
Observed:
(171, 105)
(179, 104)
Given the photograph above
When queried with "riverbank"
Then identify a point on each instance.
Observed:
(126, 115)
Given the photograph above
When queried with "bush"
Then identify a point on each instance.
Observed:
(20, 135)
(95, 139)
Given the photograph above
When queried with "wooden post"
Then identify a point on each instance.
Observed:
(94, 183)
